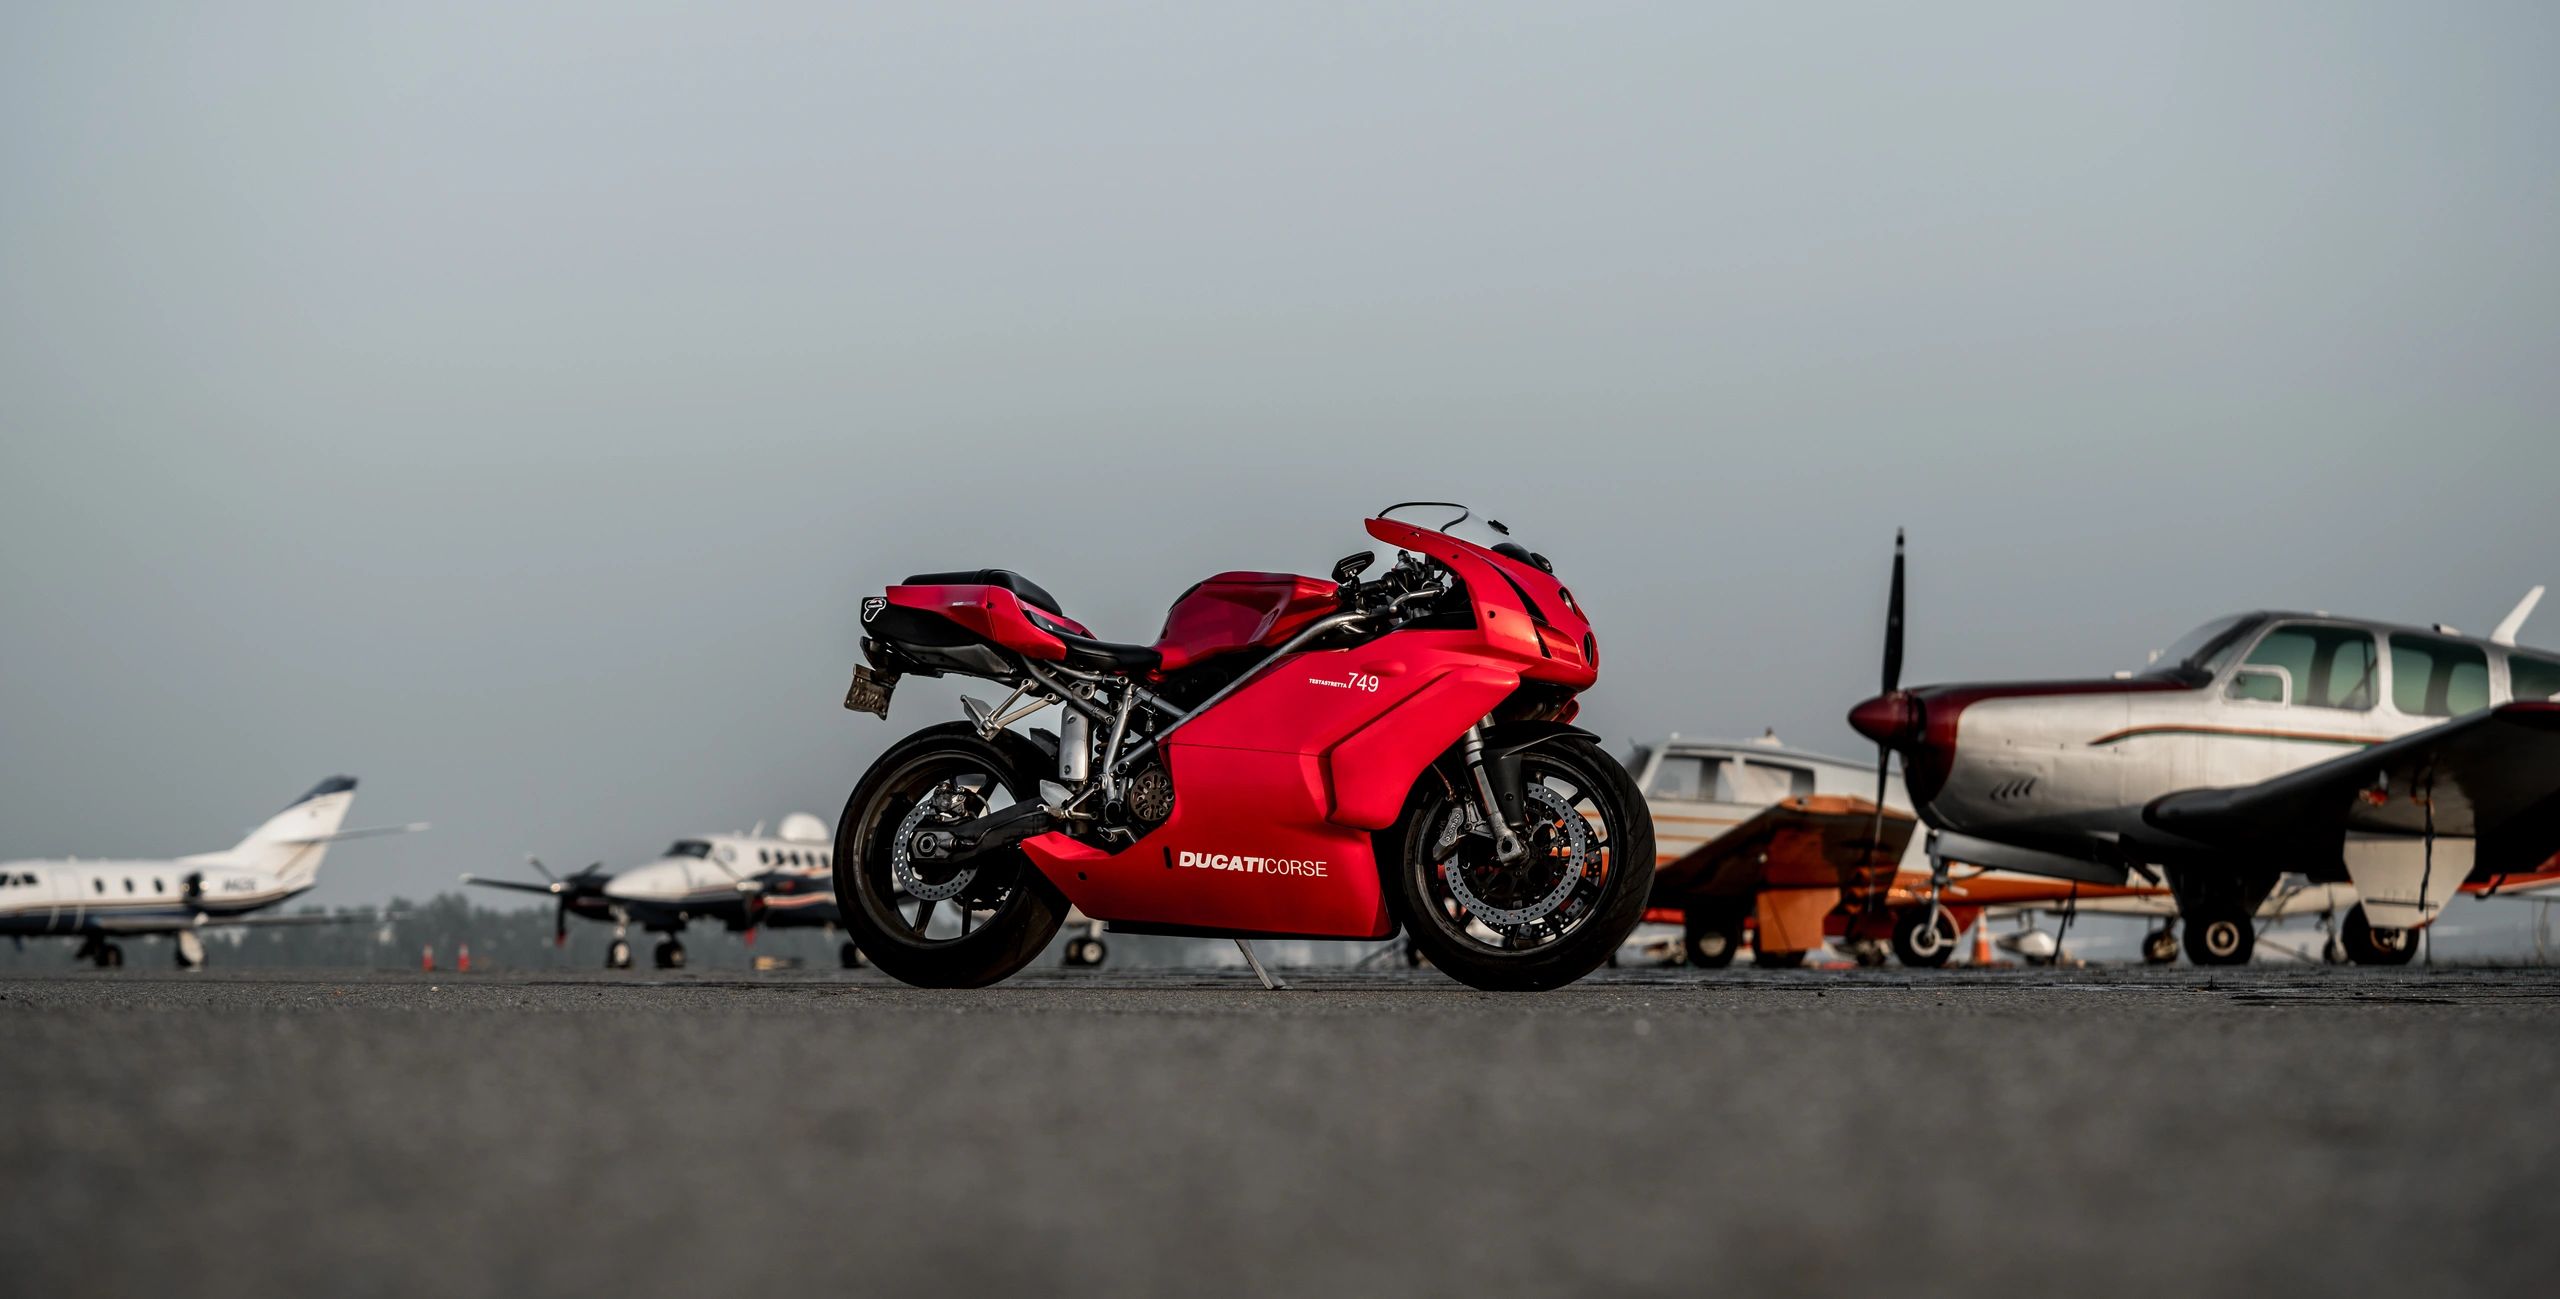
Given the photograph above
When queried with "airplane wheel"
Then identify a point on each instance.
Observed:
(850, 954)
(2367, 945)
(670, 955)
(2220, 937)
(1413, 957)
(2160, 947)
(109, 957)
(1921, 945)
(1710, 936)
(618, 956)
(1779, 960)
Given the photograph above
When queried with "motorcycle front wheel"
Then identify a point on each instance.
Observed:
(1557, 913)
(938, 928)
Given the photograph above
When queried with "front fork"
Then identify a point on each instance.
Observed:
(1498, 792)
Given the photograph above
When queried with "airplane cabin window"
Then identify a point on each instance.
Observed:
(2261, 686)
(2533, 678)
(2438, 678)
(1679, 777)
(2331, 667)
(97, 886)
(1760, 782)
(157, 886)
(128, 884)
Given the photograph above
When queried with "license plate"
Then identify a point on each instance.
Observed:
(870, 691)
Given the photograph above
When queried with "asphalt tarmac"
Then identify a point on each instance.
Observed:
(2104, 1131)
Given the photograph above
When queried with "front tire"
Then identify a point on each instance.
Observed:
(2219, 935)
(2367, 945)
(975, 928)
(1555, 915)
(1711, 935)
(1921, 945)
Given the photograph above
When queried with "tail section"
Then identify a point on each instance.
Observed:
(292, 841)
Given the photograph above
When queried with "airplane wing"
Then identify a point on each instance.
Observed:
(1812, 841)
(521, 886)
(164, 925)
(2493, 777)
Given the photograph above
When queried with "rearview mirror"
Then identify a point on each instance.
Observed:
(1348, 568)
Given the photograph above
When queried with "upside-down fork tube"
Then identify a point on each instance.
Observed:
(1497, 782)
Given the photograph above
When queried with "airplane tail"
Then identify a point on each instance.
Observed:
(292, 841)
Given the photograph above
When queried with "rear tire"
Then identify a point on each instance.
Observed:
(2160, 947)
(1005, 914)
(2367, 945)
(1573, 937)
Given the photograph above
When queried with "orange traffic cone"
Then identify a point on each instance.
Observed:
(462, 960)
(1982, 940)
(427, 959)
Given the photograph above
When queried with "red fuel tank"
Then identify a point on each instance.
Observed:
(1234, 611)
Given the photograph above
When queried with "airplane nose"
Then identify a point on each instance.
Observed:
(1892, 720)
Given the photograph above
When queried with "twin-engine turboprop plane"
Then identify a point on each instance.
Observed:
(2404, 760)
(738, 881)
(98, 902)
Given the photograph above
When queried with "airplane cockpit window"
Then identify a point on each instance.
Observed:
(689, 848)
(2437, 678)
(2532, 678)
(2202, 653)
(1679, 777)
(2330, 667)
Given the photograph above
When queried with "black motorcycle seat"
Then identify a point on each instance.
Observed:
(1030, 592)
(1092, 655)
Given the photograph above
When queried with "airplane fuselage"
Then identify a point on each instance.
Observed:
(2068, 767)
(109, 897)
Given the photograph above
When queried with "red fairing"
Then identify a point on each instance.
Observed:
(1278, 788)
(1235, 611)
(1522, 613)
(992, 612)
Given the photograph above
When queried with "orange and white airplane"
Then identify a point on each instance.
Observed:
(1763, 838)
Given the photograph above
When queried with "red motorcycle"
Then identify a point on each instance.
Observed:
(1293, 757)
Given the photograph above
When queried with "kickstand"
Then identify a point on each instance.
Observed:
(1268, 982)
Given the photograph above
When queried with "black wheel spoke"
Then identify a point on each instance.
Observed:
(924, 915)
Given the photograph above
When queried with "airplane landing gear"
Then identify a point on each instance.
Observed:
(670, 955)
(1768, 960)
(2367, 945)
(617, 955)
(1085, 953)
(1711, 936)
(1921, 945)
(850, 955)
(2220, 935)
(2160, 946)
(101, 953)
(190, 950)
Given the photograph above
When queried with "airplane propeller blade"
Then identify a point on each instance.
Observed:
(1893, 623)
(1892, 682)
(536, 863)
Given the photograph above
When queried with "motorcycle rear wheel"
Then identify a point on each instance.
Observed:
(1555, 917)
(955, 933)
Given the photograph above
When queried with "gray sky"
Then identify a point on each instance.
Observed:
(509, 404)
